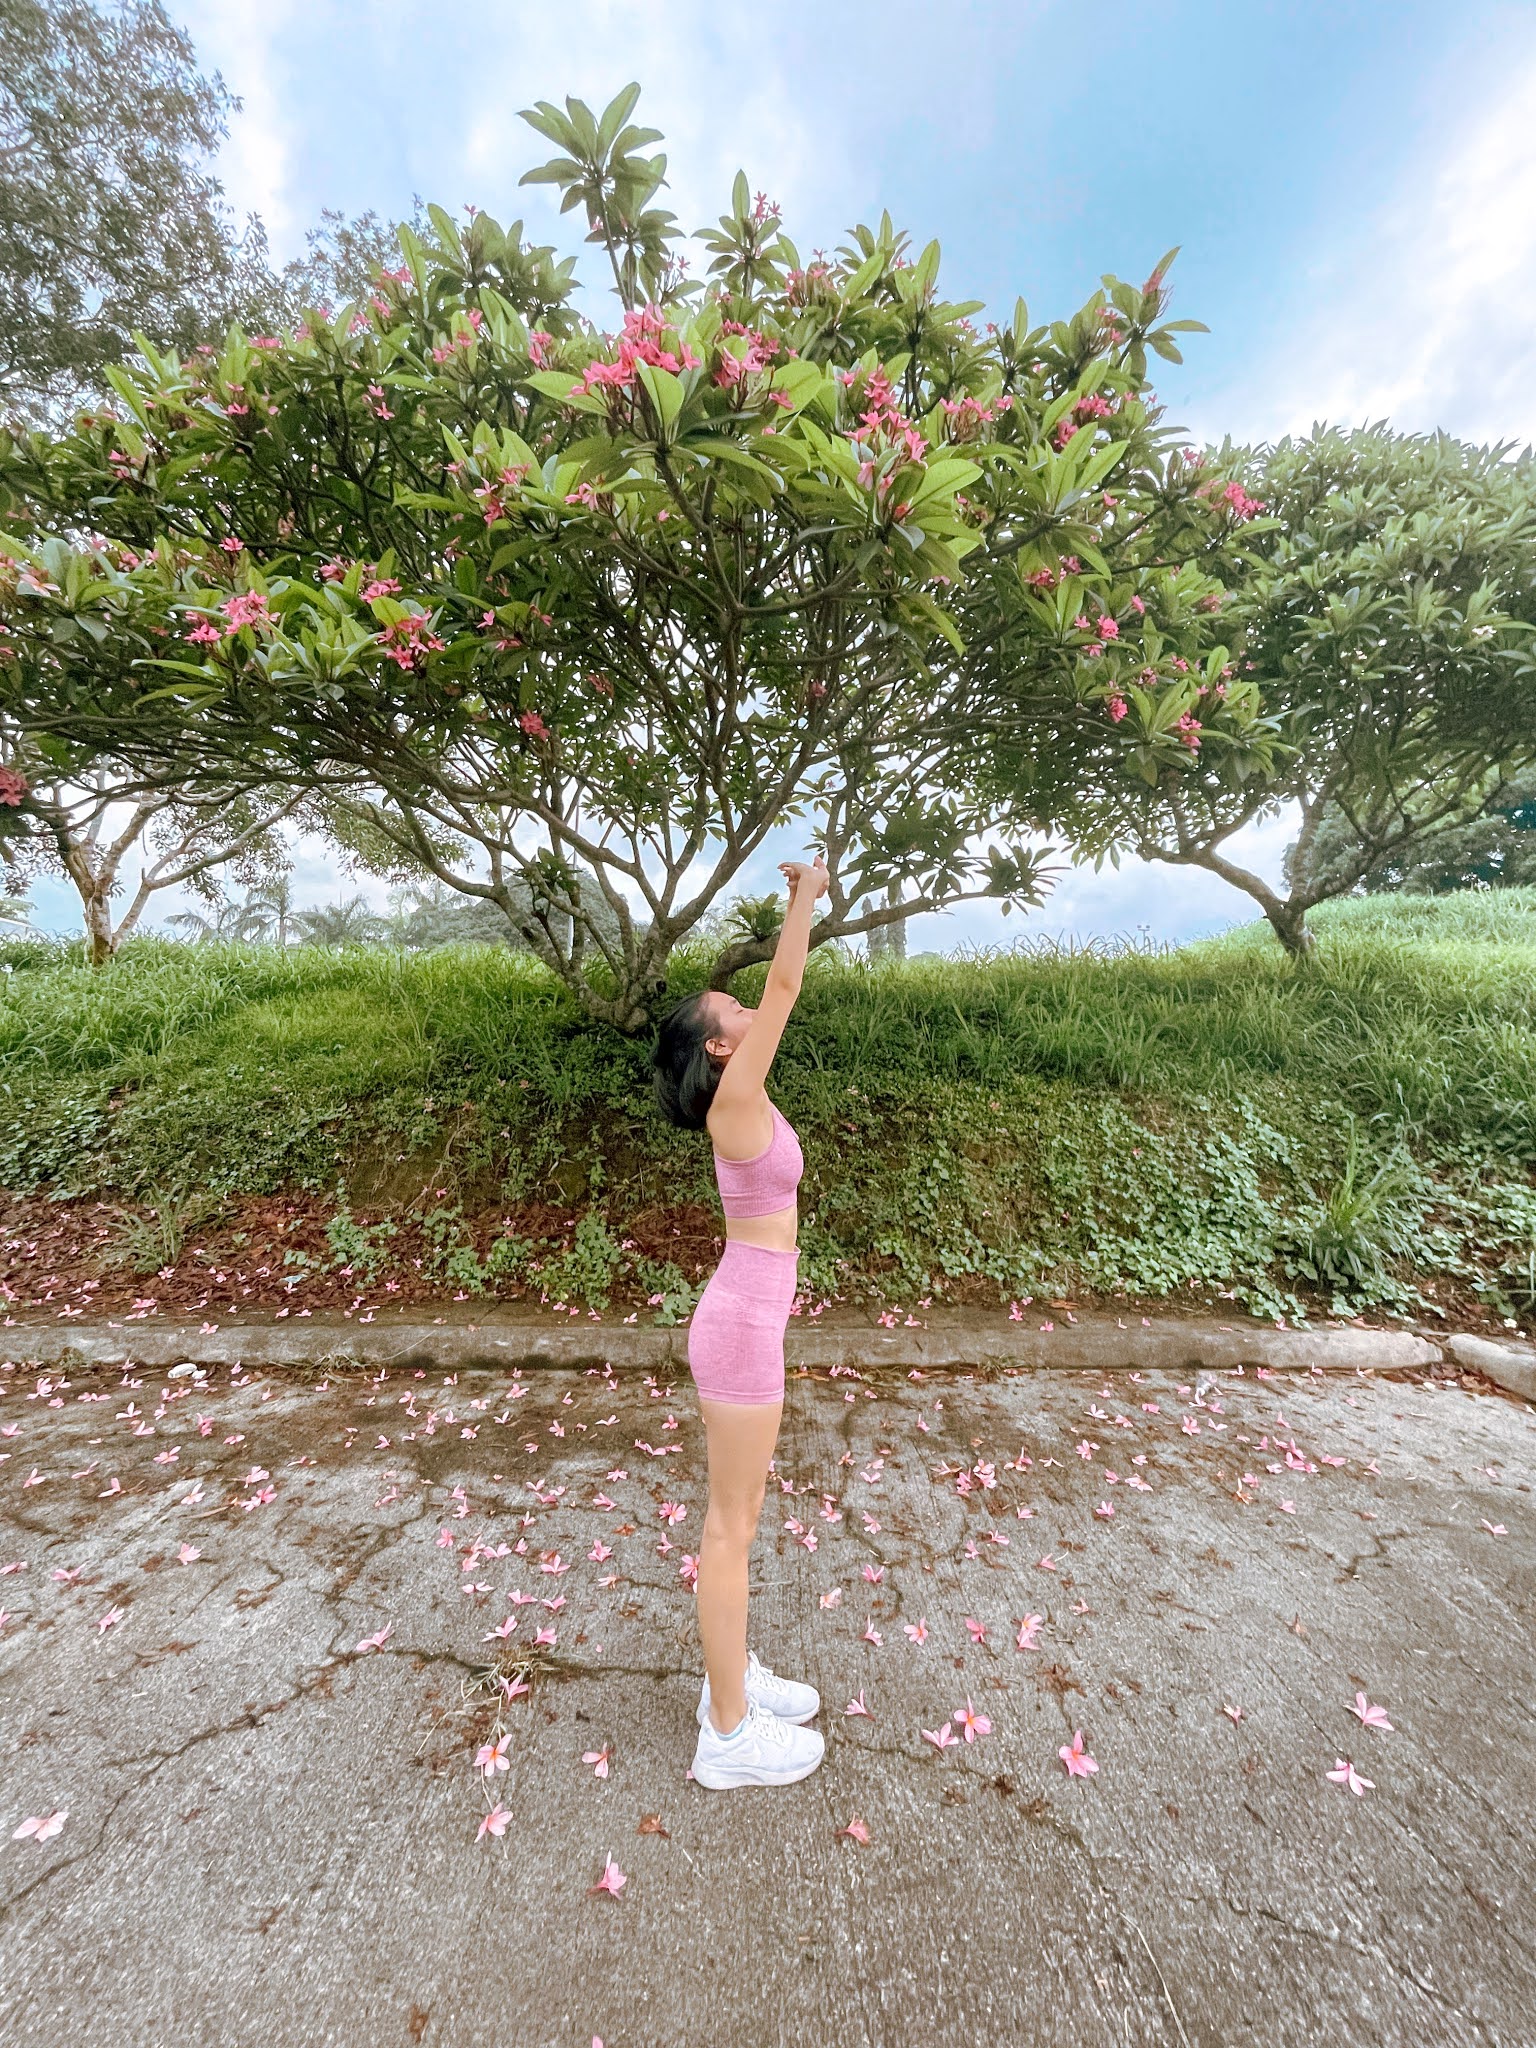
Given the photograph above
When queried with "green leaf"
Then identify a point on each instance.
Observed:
(615, 114)
(666, 395)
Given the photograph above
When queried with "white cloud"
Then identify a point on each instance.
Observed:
(1424, 311)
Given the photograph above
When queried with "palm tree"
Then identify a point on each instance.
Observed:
(224, 923)
(340, 924)
(268, 912)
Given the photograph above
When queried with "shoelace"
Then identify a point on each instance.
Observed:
(769, 1727)
(766, 1678)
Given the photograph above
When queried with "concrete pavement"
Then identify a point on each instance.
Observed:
(272, 1830)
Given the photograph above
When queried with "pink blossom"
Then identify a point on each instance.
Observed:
(1344, 1773)
(41, 1827)
(382, 586)
(612, 1881)
(1076, 1758)
(1108, 629)
(246, 608)
(1117, 708)
(495, 1822)
(1370, 1716)
(205, 632)
(973, 1723)
(1139, 606)
(532, 724)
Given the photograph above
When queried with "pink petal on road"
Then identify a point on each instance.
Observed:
(41, 1827)
(375, 1641)
(1029, 1629)
(1076, 1758)
(598, 1758)
(612, 1880)
(940, 1737)
(858, 1829)
(973, 1723)
(1344, 1773)
(856, 1705)
(1370, 1717)
(495, 1823)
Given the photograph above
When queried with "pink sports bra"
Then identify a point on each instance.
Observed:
(757, 1187)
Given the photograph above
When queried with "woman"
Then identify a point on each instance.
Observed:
(711, 1060)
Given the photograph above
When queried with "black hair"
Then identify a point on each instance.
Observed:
(684, 1077)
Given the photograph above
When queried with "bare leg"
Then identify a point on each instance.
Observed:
(740, 1440)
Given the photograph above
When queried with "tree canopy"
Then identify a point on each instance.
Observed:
(789, 538)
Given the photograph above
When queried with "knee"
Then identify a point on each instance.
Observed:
(733, 1524)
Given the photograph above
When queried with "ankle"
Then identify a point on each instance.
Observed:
(726, 1724)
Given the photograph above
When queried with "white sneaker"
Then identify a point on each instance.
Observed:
(786, 1698)
(763, 1751)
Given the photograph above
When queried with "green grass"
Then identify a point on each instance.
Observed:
(1205, 1119)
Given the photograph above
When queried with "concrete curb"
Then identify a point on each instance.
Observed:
(1092, 1343)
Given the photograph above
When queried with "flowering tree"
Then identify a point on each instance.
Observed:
(1384, 609)
(797, 535)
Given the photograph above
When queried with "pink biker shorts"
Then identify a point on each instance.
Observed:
(736, 1337)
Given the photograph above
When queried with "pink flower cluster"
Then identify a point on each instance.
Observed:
(1187, 726)
(801, 287)
(13, 786)
(967, 416)
(639, 343)
(761, 351)
(408, 641)
(246, 608)
(533, 725)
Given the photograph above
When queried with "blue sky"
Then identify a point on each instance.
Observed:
(1353, 187)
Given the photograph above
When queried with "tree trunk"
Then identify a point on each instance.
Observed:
(100, 940)
(1289, 924)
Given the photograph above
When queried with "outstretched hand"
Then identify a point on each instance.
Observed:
(803, 874)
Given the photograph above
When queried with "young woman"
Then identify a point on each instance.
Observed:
(711, 1062)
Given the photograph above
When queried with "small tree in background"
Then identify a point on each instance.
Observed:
(1382, 608)
(1494, 850)
(163, 838)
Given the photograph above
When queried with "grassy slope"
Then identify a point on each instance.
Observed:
(1198, 1120)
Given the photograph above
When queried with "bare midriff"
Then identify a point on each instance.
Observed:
(778, 1230)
